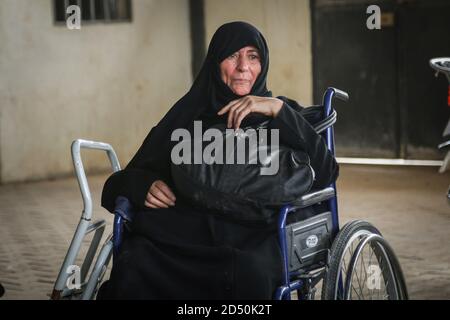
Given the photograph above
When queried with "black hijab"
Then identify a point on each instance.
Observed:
(229, 38)
(207, 95)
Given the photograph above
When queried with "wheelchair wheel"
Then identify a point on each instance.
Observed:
(362, 266)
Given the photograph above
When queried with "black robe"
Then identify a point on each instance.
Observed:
(184, 251)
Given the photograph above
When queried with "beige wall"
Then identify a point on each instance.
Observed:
(107, 82)
(286, 26)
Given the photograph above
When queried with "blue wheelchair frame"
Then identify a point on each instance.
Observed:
(283, 291)
(123, 211)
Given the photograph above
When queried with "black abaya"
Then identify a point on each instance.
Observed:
(185, 251)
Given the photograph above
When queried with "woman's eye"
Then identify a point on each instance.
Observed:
(233, 56)
(253, 57)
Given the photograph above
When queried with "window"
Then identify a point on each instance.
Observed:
(95, 10)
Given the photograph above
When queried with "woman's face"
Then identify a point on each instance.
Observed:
(240, 70)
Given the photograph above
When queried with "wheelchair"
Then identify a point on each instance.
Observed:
(442, 65)
(354, 262)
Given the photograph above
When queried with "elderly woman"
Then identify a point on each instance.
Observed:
(177, 249)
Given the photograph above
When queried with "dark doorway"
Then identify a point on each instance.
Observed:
(397, 108)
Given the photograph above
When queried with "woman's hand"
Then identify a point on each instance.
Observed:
(159, 196)
(240, 108)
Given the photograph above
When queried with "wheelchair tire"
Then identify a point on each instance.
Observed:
(347, 251)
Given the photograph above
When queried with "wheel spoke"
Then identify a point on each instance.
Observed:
(345, 267)
(386, 283)
(386, 286)
(357, 277)
(359, 297)
(370, 260)
(365, 278)
(363, 265)
(365, 271)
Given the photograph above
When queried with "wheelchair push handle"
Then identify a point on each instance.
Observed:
(76, 147)
(88, 144)
(328, 96)
(341, 95)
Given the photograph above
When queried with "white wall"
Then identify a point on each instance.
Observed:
(107, 82)
(286, 26)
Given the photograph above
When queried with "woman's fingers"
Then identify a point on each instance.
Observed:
(166, 190)
(228, 106)
(241, 115)
(237, 107)
(243, 110)
(236, 111)
(232, 112)
(159, 195)
(152, 199)
(240, 108)
(148, 204)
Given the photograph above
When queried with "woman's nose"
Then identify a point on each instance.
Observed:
(243, 64)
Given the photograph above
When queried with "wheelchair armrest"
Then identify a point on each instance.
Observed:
(124, 208)
(326, 123)
(314, 197)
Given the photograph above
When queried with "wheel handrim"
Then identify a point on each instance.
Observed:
(371, 257)
(347, 253)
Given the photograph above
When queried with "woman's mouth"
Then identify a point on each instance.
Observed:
(241, 81)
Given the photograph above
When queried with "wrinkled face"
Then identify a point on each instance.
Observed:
(240, 70)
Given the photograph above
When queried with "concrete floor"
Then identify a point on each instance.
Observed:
(407, 204)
